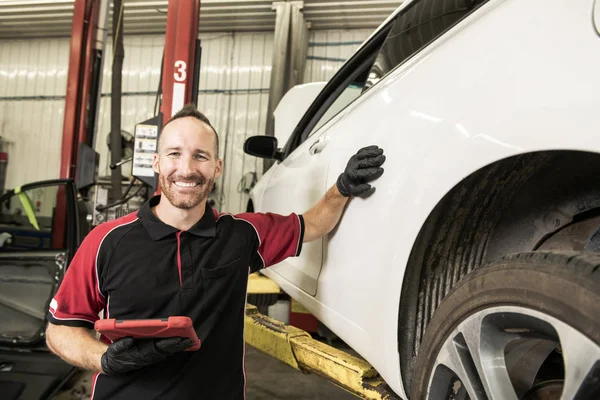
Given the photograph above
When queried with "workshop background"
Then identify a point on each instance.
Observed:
(241, 43)
(237, 51)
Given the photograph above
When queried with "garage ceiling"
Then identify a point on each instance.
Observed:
(47, 18)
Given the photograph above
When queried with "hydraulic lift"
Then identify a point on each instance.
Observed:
(299, 350)
(78, 169)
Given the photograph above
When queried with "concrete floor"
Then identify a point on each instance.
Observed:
(267, 379)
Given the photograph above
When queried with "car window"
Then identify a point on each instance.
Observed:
(26, 219)
(343, 88)
(418, 25)
(347, 96)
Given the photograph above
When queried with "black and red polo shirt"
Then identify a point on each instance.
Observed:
(137, 267)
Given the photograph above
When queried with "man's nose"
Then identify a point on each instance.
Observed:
(186, 165)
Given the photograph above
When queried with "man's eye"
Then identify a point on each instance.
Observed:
(200, 157)
(173, 154)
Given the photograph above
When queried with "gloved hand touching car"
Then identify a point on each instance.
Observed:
(363, 167)
(128, 354)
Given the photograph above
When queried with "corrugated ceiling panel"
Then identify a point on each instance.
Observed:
(42, 18)
(328, 50)
(32, 88)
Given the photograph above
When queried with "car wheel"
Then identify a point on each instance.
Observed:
(526, 327)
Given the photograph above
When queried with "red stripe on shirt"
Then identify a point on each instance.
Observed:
(179, 257)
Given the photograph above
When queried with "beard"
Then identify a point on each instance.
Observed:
(193, 196)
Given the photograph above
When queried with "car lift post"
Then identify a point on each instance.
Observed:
(179, 79)
(83, 92)
(78, 84)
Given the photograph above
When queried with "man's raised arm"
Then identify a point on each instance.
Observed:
(363, 167)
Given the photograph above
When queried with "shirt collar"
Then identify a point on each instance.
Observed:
(157, 229)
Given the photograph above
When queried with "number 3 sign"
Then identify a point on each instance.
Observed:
(180, 75)
(180, 71)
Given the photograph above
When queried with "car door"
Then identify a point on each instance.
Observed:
(300, 180)
(38, 236)
(295, 185)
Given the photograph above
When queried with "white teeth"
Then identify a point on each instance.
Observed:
(186, 184)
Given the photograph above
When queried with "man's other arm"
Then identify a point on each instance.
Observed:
(363, 167)
(77, 346)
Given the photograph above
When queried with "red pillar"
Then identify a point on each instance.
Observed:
(180, 46)
(79, 83)
(71, 114)
(178, 64)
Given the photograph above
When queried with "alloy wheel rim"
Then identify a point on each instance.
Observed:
(514, 353)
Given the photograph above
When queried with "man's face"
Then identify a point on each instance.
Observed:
(186, 162)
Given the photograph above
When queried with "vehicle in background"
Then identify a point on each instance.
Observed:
(37, 242)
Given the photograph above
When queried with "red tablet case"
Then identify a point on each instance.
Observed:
(115, 329)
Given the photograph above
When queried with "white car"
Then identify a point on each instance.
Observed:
(473, 269)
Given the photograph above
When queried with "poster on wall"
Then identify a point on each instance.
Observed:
(145, 147)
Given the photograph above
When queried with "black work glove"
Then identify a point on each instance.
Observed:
(127, 354)
(362, 167)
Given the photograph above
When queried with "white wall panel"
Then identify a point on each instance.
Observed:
(327, 51)
(32, 89)
(248, 92)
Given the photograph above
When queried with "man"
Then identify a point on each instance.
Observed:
(177, 256)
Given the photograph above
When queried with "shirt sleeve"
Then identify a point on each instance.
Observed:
(78, 300)
(279, 237)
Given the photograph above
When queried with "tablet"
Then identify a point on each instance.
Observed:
(115, 329)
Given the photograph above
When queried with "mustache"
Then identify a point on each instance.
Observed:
(189, 178)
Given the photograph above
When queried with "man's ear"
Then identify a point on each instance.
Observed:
(155, 165)
(219, 168)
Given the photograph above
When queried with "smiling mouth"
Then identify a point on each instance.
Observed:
(186, 184)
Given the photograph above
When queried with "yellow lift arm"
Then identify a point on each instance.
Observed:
(300, 351)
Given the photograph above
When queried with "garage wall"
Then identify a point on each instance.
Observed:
(32, 89)
(327, 51)
(234, 84)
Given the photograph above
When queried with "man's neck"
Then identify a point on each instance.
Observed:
(177, 217)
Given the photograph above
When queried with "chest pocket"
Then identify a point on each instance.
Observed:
(219, 285)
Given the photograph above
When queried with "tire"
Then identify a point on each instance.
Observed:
(514, 330)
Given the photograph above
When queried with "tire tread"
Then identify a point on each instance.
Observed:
(584, 263)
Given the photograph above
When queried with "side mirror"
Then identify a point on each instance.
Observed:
(262, 146)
